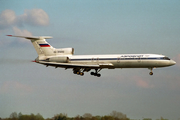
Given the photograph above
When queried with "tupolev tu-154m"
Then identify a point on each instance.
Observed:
(65, 58)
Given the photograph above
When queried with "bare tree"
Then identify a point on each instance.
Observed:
(14, 115)
(19, 115)
(118, 115)
(60, 117)
(78, 117)
(87, 115)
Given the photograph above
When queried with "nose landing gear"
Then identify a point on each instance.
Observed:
(151, 73)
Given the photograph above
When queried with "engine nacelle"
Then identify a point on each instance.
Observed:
(64, 51)
(58, 59)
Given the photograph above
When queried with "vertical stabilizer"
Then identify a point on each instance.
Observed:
(43, 47)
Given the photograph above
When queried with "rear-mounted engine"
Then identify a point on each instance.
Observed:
(58, 59)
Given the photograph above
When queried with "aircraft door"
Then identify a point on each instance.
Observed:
(93, 59)
(97, 60)
(139, 59)
(118, 59)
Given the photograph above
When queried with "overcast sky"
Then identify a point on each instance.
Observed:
(91, 27)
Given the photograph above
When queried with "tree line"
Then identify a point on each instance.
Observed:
(87, 116)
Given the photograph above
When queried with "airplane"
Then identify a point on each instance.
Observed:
(65, 58)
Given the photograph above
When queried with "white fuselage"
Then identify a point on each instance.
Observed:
(124, 60)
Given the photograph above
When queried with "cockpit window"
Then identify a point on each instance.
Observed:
(166, 58)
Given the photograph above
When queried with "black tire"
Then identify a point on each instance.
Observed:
(151, 73)
(92, 73)
(98, 75)
(81, 73)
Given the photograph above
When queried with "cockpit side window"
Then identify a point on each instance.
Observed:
(166, 58)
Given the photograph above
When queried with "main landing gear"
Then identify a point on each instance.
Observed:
(151, 73)
(96, 73)
(82, 70)
(78, 72)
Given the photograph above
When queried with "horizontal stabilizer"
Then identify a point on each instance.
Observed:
(32, 37)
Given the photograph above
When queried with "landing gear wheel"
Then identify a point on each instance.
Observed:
(81, 73)
(151, 73)
(78, 73)
(98, 75)
(92, 73)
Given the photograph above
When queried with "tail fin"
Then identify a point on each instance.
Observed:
(43, 48)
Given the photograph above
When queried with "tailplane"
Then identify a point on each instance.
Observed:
(43, 48)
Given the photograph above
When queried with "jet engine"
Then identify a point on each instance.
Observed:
(58, 59)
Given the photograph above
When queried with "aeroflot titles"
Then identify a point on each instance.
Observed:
(132, 56)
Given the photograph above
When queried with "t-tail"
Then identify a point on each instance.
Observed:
(44, 49)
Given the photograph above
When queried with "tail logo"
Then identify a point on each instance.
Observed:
(44, 45)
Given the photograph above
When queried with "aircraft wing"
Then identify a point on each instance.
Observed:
(73, 65)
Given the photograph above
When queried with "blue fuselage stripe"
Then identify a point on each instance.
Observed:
(90, 59)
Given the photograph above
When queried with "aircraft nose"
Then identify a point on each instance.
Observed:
(172, 62)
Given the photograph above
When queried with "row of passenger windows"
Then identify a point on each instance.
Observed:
(166, 58)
